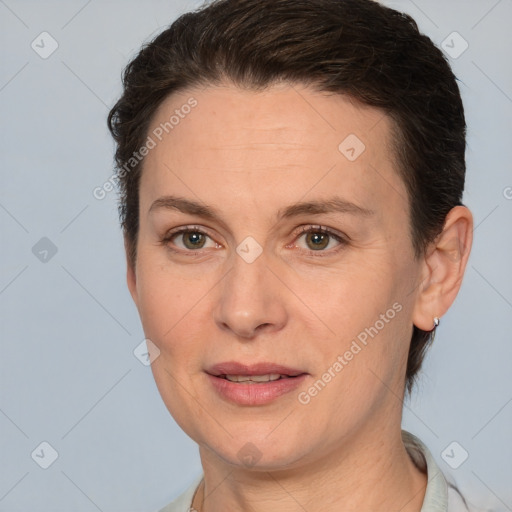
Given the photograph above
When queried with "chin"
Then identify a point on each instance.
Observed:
(257, 452)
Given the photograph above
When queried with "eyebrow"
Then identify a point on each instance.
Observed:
(331, 205)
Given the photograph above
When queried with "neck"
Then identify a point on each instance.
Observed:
(365, 474)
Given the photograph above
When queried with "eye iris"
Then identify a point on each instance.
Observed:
(193, 240)
(320, 240)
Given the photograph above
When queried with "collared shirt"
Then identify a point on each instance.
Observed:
(440, 495)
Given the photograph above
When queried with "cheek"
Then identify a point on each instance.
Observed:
(176, 313)
(163, 302)
(164, 293)
(171, 309)
(353, 299)
(370, 309)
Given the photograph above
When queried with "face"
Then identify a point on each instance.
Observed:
(270, 234)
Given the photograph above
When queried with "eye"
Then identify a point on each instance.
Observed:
(319, 239)
(189, 239)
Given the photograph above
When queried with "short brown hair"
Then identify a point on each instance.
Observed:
(357, 48)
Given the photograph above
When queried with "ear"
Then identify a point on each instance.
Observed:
(131, 276)
(443, 268)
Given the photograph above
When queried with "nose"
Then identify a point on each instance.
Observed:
(250, 299)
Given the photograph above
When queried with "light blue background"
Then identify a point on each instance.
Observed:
(69, 328)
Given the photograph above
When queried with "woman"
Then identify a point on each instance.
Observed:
(291, 176)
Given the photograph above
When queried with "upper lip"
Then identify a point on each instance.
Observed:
(264, 368)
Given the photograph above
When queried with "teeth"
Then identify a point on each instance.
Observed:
(254, 378)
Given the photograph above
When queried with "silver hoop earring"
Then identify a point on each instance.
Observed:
(436, 321)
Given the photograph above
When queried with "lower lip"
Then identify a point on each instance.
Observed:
(255, 394)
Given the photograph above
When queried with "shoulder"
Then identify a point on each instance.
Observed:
(442, 494)
(183, 503)
(457, 502)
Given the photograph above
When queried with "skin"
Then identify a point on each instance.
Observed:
(249, 155)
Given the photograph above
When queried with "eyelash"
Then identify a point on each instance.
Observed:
(304, 230)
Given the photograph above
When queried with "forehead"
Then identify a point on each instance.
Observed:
(284, 142)
(225, 116)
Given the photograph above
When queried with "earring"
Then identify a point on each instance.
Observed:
(436, 321)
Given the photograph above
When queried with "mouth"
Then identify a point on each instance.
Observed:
(234, 371)
(256, 379)
(254, 384)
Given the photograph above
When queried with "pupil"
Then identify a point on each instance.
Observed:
(320, 240)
